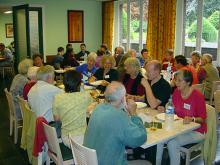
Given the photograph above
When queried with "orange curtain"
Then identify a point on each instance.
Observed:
(107, 23)
(161, 27)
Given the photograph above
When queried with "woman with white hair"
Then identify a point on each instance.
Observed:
(19, 82)
(132, 78)
(32, 76)
(88, 69)
(209, 73)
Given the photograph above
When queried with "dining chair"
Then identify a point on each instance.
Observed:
(200, 87)
(22, 103)
(14, 120)
(58, 152)
(217, 104)
(215, 86)
(9, 68)
(206, 146)
(83, 155)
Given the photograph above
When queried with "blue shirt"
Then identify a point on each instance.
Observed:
(110, 130)
(85, 72)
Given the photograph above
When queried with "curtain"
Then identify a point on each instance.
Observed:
(161, 27)
(107, 23)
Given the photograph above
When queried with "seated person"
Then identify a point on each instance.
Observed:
(181, 64)
(80, 56)
(195, 60)
(119, 52)
(157, 89)
(6, 54)
(106, 72)
(58, 59)
(19, 82)
(69, 59)
(88, 69)
(32, 76)
(114, 125)
(168, 59)
(38, 60)
(41, 95)
(189, 104)
(70, 107)
(132, 53)
(132, 78)
(104, 48)
(208, 73)
(145, 57)
(121, 67)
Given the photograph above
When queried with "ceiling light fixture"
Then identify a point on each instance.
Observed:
(8, 12)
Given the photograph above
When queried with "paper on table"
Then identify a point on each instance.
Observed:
(145, 118)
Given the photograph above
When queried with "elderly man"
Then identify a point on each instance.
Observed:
(80, 56)
(157, 89)
(41, 95)
(6, 54)
(114, 125)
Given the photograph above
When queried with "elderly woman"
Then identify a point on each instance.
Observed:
(189, 105)
(70, 107)
(106, 72)
(132, 78)
(207, 73)
(195, 59)
(88, 69)
(19, 82)
(32, 76)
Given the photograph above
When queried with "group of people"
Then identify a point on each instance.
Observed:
(126, 79)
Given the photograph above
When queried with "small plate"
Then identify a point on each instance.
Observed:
(60, 71)
(87, 87)
(96, 83)
(161, 117)
(141, 105)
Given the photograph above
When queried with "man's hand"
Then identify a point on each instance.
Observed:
(161, 109)
(131, 107)
(104, 83)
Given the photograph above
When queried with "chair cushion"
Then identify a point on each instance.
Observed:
(66, 152)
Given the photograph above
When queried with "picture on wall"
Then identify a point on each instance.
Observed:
(9, 30)
(75, 26)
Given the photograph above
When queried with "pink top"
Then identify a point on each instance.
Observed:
(193, 106)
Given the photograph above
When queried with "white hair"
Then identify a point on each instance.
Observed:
(24, 65)
(92, 56)
(32, 72)
(44, 72)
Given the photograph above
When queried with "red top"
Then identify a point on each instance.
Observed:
(129, 84)
(27, 88)
(165, 64)
(194, 73)
(193, 106)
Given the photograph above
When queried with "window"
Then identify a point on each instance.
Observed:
(202, 26)
(133, 24)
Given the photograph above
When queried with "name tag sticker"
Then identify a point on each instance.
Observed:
(186, 106)
(106, 76)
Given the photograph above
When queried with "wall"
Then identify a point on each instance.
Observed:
(5, 18)
(55, 22)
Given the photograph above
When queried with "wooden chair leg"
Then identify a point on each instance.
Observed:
(11, 126)
(16, 133)
(187, 159)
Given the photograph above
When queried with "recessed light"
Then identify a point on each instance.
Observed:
(8, 12)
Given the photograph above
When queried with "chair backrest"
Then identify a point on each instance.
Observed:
(83, 155)
(210, 143)
(200, 87)
(215, 86)
(217, 101)
(53, 144)
(23, 105)
(11, 104)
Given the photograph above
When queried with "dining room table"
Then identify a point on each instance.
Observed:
(160, 136)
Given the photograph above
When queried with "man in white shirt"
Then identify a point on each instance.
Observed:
(41, 95)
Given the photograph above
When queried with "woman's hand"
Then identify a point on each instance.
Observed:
(161, 109)
(187, 120)
(104, 83)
